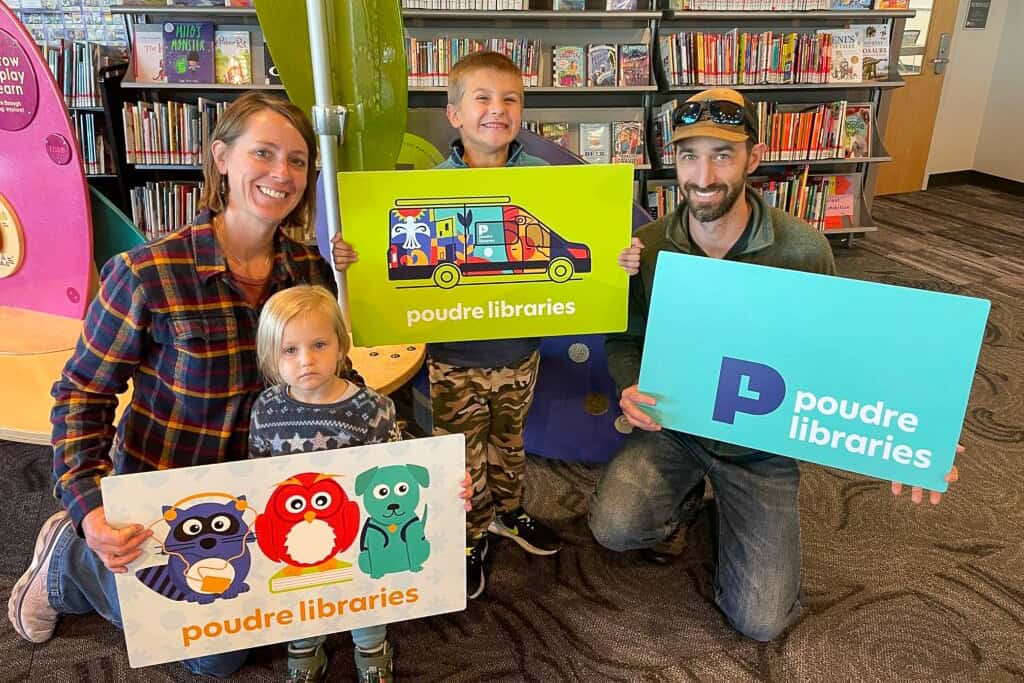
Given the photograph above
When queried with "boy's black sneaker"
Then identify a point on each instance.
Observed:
(535, 537)
(475, 554)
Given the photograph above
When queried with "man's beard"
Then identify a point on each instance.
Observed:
(708, 213)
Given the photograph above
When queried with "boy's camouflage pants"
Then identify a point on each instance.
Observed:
(489, 406)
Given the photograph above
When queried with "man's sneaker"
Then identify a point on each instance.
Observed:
(29, 607)
(307, 667)
(475, 554)
(668, 550)
(536, 538)
(375, 667)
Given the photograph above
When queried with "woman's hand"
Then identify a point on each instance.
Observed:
(115, 547)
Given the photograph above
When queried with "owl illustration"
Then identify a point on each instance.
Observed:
(307, 521)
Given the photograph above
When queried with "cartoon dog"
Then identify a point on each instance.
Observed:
(393, 538)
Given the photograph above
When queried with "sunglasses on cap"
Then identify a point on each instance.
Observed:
(722, 112)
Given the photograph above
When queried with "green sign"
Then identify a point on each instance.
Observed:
(458, 255)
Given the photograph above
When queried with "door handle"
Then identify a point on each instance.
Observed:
(942, 54)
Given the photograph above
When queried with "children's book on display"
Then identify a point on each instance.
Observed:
(569, 66)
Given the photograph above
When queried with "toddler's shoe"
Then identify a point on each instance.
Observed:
(376, 666)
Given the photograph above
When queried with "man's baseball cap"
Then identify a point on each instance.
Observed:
(718, 113)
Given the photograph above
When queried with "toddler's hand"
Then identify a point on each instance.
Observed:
(466, 492)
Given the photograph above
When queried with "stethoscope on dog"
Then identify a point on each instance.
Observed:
(211, 574)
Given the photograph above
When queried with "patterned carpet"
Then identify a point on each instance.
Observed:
(892, 591)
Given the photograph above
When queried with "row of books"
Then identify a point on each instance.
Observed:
(574, 66)
(786, 5)
(171, 133)
(191, 52)
(482, 5)
(93, 145)
(836, 130)
(597, 143)
(609, 5)
(734, 57)
(161, 207)
(189, 3)
(792, 132)
(826, 202)
(430, 61)
(75, 67)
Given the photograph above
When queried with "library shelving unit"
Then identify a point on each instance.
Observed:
(544, 101)
(122, 87)
(877, 92)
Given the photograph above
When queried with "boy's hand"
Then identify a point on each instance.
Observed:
(629, 259)
(916, 493)
(344, 254)
(466, 493)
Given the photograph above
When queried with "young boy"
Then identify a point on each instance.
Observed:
(484, 389)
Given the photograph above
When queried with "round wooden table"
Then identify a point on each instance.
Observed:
(35, 346)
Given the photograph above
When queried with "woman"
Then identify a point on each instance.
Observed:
(178, 318)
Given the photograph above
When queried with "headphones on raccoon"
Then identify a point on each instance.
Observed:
(172, 512)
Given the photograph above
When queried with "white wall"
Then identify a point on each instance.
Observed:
(1000, 150)
(966, 88)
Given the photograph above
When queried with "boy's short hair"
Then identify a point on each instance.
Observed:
(282, 308)
(475, 61)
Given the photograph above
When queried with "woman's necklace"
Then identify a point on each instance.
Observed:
(243, 268)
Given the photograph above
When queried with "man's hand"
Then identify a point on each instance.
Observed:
(630, 404)
(344, 254)
(917, 493)
(629, 258)
(115, 547)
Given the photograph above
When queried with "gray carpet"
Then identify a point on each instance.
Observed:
(892, 591)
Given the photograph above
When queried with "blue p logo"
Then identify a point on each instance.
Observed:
(747, 387)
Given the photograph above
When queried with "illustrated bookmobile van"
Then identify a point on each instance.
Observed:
(447, 239)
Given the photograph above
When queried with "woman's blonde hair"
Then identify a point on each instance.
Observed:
(231, 125)
(281, 309)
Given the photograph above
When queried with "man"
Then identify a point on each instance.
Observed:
(654, 485)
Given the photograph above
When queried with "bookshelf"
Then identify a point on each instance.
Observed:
(877, 92)
(548, 103)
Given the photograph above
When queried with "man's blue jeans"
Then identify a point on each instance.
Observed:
(79, 583)
(653, 484)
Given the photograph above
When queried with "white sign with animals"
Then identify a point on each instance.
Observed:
(274, 549)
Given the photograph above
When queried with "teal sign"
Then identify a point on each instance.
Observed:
(855, 375)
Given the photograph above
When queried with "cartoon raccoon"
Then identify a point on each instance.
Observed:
(208, 551)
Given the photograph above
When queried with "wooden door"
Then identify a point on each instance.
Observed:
(908, 132)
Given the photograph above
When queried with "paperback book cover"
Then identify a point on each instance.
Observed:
(239, 3)
(233, 57)
(627, 142)
(876, 50)
(188, 51)
(840, 207)
(557, 132)
(595, 142)
(148, 57)
(634, 64)
(573, 5)
(271, 75)
(602, 63)
(857, 131)
(569, 66)
(847, 55)
(621, 5)
(892, 4)
(850, 4)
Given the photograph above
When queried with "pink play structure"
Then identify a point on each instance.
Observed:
(46, 264)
